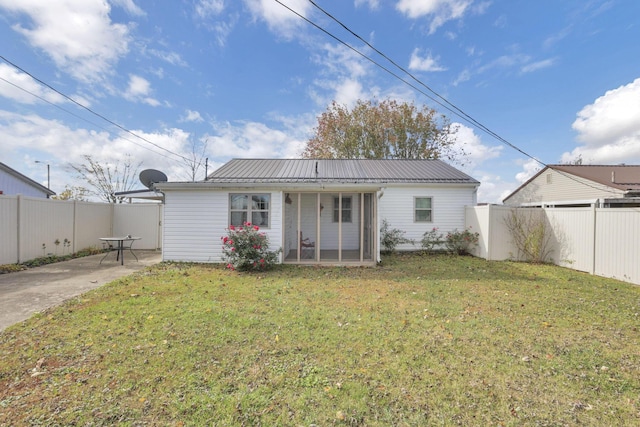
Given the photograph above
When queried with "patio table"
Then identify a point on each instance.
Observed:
(121, 246)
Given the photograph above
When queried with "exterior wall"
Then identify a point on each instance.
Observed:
(10, 185)
(194, 222)
(560, 188)
(448, 209)
(29, 222)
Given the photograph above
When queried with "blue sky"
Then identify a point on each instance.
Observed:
(558, 79)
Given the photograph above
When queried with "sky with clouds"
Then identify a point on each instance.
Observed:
(558, 80)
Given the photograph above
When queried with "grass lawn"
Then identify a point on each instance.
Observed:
(419, 340)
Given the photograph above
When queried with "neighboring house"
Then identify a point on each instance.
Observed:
(13, 182)
(579, 186)
(317, 211)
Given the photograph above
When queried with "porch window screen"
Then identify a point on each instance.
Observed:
(249, 207)
(423, 209)
(346, 209)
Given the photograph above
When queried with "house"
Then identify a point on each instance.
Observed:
(13, 182)
(579, 186)
(317, 211)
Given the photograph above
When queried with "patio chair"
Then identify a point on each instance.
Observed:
(307, 248)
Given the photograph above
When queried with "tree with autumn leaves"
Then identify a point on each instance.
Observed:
(382, 130)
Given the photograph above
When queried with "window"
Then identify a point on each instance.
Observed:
(346, 209)
(422, 209)
(249, 207)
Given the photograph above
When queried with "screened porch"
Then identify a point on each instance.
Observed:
(325, 227)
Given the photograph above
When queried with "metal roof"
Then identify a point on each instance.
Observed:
(621, 177)
(338, 171)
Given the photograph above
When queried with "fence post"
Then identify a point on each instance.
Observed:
(75, 227)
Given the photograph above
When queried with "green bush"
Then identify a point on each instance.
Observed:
(461, 242)
(390, 238)
(246, 248)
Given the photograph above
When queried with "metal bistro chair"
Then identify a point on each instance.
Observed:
(307, 248)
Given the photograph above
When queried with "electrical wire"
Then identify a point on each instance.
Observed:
(92, 111)
(437, 98)
(82, 118)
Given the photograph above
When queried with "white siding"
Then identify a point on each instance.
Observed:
(195, 221)
(553, 186)
(448, 209)
(10, 185)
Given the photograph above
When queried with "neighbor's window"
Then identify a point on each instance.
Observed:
(252, 208)
(423, 209)
(346, 209)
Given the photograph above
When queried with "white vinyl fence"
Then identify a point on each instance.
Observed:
(30, 226)
(600, 241)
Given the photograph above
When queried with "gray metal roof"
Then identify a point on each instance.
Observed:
(338, 171)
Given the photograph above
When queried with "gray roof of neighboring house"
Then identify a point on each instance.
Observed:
(621, 177)
(26, 179)
(338, 171)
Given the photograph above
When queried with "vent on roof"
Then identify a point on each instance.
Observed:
(613, 176)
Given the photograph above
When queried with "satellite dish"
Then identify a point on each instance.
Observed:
(150, 176)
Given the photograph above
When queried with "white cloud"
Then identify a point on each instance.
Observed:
(427, 63)
(87, 49)
(439, 11)
(129, 6)
(475, 152)
(138, 90)
(609, 129)
(28, 137)
(253, 140)
(20, 87)
(530, 168)
(207, 8)
(279, 18)
(192, 116)
(373, 4)
(539, 65)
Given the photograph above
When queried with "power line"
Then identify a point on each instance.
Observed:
(80, 117)
(90, 110)
(437, 98)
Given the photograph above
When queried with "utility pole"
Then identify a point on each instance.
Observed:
(48, 173)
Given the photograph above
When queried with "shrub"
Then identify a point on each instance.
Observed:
(391, 238)
(529, 232)
(432, 240)
(461, 242)
(246, 248)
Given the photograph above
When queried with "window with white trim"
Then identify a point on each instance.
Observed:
(253, 208)
(423, 209)
(346, 209)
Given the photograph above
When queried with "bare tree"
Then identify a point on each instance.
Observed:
(530, 234)
(195, 159)
(104, 179)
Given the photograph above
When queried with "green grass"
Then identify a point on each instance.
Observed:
(420, 340)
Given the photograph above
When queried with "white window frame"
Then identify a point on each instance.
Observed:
(416, 209)
(336, 209)
(250, 210)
